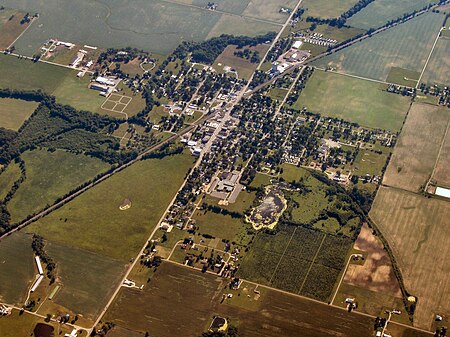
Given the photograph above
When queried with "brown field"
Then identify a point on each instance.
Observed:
(243, 66)
(181, 302)
(417, 229)
(417, 149)
(10, 29)
(441, 172)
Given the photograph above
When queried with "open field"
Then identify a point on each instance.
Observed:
(154, 25)
(336, 95)
(24, 74)
(438, 69)
(417, 231)
(10, 26)
(441, 172)
(269, 9)
(95, 216)
(50, 175)
(403, 77)
(405, 46)
(13, 112)
(8, 177)
(416, 151)
(369, 162)
(274, 314)
(379, 12)
(326, 9)
(218, 225)
(17, 268)
(88, 279)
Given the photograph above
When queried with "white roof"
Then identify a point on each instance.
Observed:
(443, 192)
(297, 44)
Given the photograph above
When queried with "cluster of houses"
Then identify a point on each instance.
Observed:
(318, 39)
(79, 61)
(290, 58)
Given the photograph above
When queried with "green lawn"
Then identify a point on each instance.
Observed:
(354, 100)
(8, 177)
(292, 172)
(368, 162)
(51, 175)
(17, 268)
(22, 74)
(277, 94)
(403, 77)
(93, 221)
(13, 112)
(218, 225)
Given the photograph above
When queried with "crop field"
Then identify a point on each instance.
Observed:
(272, 314)
(95, 216)
(379, 12)
(269, 9)
(22, 74)
(10, 27)
(13, 112)
(405, 46)
(7, 178)
(417, 230)
(336, 95)
(296, 259)
(17, 268)
(88, 279)
(326, 9)
(438, 69)
(441, 172)
(417, 149)
(154, 25)
(51, 175)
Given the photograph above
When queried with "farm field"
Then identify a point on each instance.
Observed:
(379, 12)
(326, 9)
(22, 74)
(441, 172)
(10, 26)
(153, 25)
(417, 231)
(405, 46)
(402, 76)
(336, 95)
(13, 112)
(438, 69)
(288, 314)
(17, 268)
(269, 9)
(235, 25)
(8, 177)
(95, 215)
(87, 279)
(50, 175)
(417, 148)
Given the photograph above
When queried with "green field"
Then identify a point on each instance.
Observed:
(7, 178)
(438, 68)
(16, 268)
(95, 216)
(13, 112)
(379, 12)
(326, 9)
(369, 162)
(22, 74)
(51, 175)
(218, 225)
(86, 287)
(152, 25)
(403, 77)
(404, 46)
(354, 100)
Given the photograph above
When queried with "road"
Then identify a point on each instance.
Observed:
(429, 57)
(342, 277)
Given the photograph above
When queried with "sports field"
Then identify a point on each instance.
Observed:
(379, 12)
(404, 46)
(417, 231)
(50, 175)
(13, 112)
(326, 9)
(438, 68)
(17, 268)
(153, 25)
(417, 149)
(95, 216)
(354, 100)
(269, 314)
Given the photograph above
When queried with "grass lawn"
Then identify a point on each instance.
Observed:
(13, 112)
(218, 225)
(403, 77)
(243, 202)
(95, 216)
(261, 180)
(7, 178)
(17, 268)
(277, 94)
(24, 74)
(51, 175)
(292, 172)
(326, 9)
(368, 162)
(354, 100)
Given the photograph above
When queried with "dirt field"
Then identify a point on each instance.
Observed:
(417, 149)
(165, 308)
(441, 172)
(417, 229)
(376, 273)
